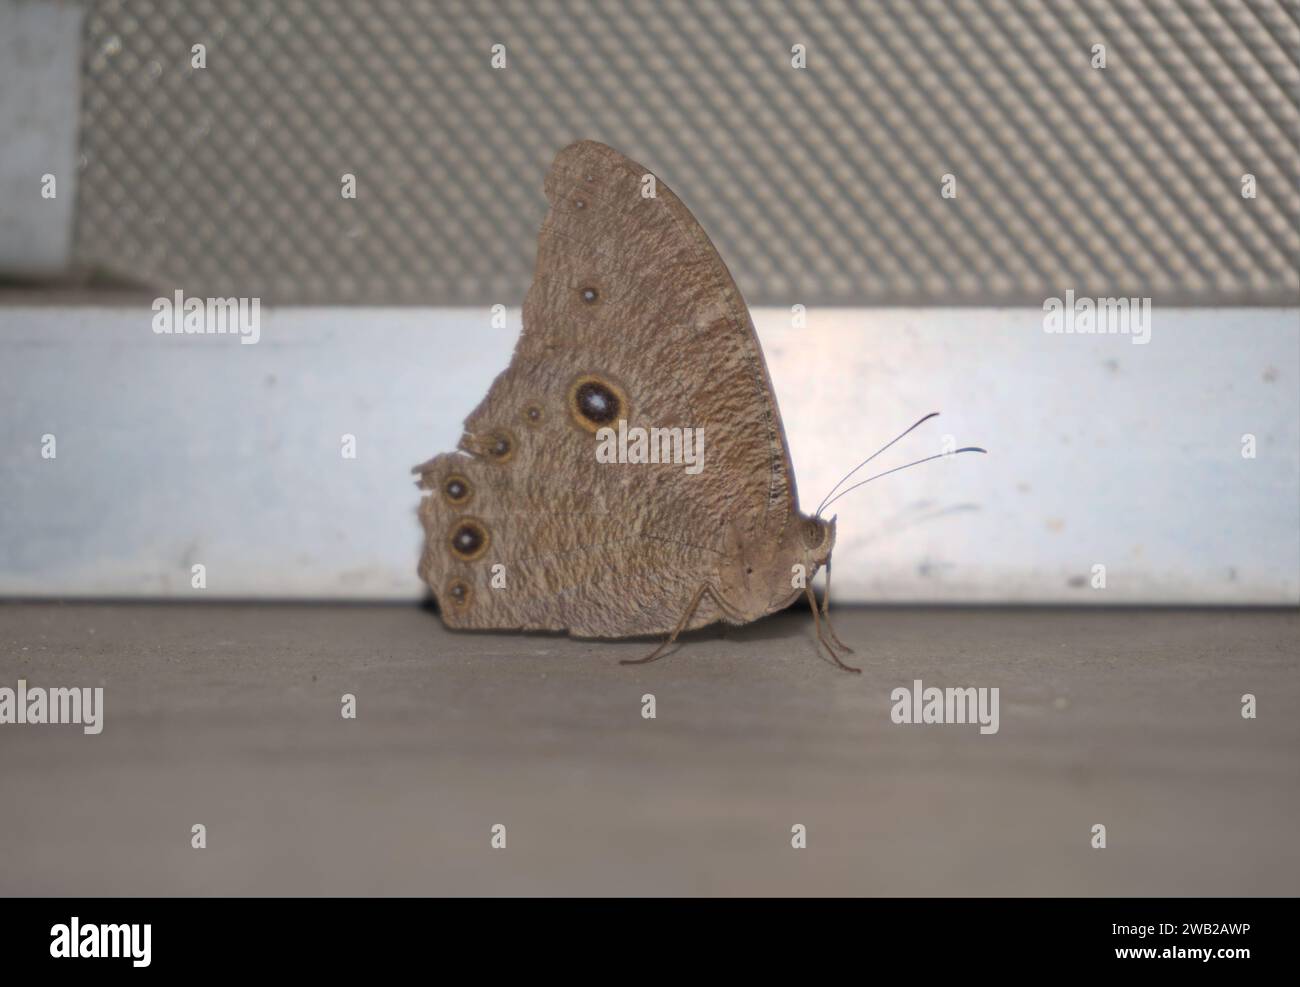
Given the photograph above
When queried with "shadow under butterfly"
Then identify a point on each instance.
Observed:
(632, 326)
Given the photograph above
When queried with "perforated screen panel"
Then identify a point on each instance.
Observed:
(822, 184)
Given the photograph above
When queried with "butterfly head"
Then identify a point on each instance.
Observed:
(817, 541)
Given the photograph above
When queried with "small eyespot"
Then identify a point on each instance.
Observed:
(589, 295)
(457, 489)
(590, 179)
(500, 446)
(579, 204)
(468, 539)
(533, 415)
(595, 403)
(460, 594)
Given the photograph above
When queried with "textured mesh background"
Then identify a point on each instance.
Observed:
(819, 185)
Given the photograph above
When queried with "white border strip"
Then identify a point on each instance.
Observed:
(174, 451)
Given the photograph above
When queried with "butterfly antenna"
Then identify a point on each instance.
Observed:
(939, 455)
(827, 499)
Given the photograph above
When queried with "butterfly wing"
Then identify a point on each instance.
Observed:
(631, 316)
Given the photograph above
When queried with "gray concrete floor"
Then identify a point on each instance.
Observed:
(229, 716)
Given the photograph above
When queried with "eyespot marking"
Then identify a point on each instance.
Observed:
(595, 403)
(468, 539)
(533, 415)
(460, 594)
(500, 446)
(590, 295)
(456, 490)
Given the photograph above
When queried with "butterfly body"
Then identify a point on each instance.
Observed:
(761, 576)
(632, 325)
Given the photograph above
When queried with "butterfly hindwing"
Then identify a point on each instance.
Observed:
(524, 559)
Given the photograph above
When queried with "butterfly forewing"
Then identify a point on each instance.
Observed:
(632, 317)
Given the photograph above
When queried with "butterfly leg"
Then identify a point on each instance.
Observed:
(681, 624)
(817, 625)
(826, 612)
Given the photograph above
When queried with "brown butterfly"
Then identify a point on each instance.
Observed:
(632, 326)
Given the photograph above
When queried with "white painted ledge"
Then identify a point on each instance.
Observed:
(180, 450)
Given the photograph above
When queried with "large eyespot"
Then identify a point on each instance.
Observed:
(595, 402)
(459, 594)
(500, 446)
(456, 490)
(468, 539)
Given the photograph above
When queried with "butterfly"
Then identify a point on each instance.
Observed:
(548, 517)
